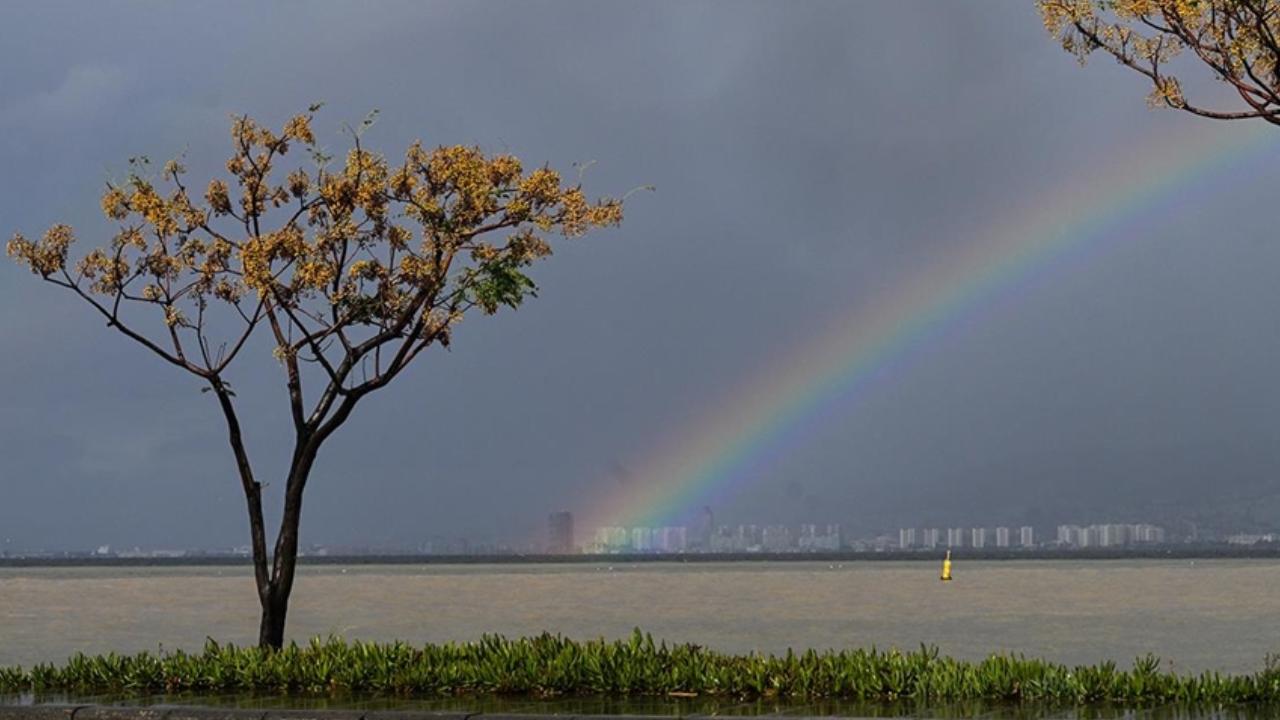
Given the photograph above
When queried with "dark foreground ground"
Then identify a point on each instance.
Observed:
(231, 708)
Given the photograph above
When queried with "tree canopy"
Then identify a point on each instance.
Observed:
(365, 265)
(1238, 41)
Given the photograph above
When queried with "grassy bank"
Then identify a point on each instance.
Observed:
(550, 665)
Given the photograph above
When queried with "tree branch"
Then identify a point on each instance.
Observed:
(290, 360)
(113, 321)
(252, 488)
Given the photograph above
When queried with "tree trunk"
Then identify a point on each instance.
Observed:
(274, 575)
(274, 595)
(275, 605)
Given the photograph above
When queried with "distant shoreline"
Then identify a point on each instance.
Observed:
(960, 555)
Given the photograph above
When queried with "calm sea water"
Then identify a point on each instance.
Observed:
(1202, 615)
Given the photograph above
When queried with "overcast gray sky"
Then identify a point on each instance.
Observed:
(810, 159)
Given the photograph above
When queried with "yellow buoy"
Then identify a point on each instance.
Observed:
(946, 567)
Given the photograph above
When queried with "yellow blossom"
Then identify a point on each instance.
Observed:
(217, 197)
(115, 205)
(299, 128)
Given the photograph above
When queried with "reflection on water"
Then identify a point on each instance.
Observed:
(1206, 615)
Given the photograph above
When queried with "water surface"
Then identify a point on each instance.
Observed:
(1196, 615)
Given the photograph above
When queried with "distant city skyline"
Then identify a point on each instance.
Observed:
(561, 537)
(734, 540)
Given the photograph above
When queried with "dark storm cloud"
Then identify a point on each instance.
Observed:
(806, 155)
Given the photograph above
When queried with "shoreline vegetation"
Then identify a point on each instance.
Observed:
(551, 666)
(1161, 552)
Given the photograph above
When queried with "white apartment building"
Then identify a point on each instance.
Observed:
(1143, 533)
(775, 538)
(1069, 535)
(825, 538)
(670, 539)
(1109, 535)
(612, 539)
(641, 539)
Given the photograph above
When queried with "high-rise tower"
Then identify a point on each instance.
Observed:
(560, 532)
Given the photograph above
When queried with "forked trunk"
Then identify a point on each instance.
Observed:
(274, 589)
(274, 575)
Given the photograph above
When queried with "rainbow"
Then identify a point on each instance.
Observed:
(775, 409)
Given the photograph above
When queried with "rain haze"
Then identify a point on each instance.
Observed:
(809, 158)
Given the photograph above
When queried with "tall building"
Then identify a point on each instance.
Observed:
(1026, 536)
(1002, 537)
(1090, 537)
(775, 538)
(560, 532)
(931, 538)
(906, 538)
(670, 539)
(708, 528)
(955, 537)
(979, 537)
(1069, 535)
(814, 538)
(1147, 534)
